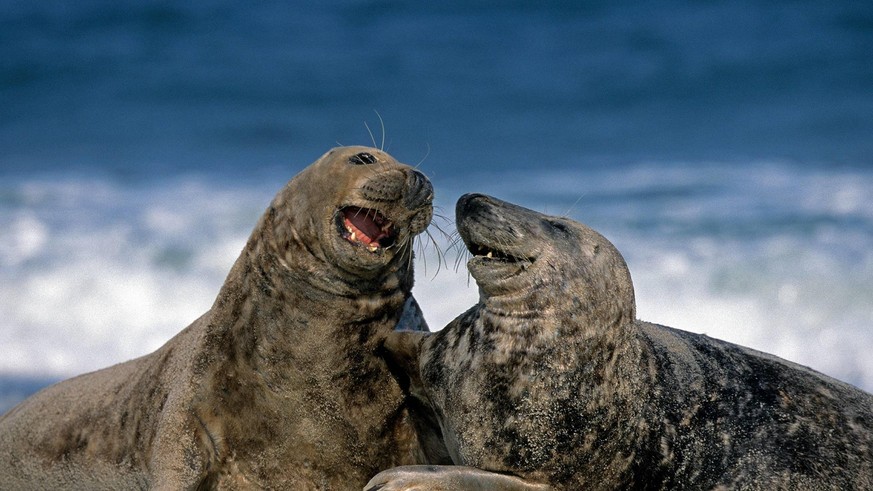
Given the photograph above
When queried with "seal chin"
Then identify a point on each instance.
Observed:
(365, 228)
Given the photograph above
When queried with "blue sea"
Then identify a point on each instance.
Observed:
(725, 147)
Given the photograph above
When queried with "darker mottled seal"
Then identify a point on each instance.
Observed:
(278, 385)
(551, 379)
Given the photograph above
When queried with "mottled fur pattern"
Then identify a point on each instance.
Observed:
(278, 385)
(550, 378)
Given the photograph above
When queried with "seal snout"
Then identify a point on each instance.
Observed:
(467, 203)
(487, 230)
(419, 190)
(379, 206)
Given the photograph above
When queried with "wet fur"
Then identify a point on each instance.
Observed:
(550, 378)
(276, 386)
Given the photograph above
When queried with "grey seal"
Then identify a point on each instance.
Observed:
(278, 385)
(551, 381)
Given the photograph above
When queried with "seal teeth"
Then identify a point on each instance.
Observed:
(366, 228)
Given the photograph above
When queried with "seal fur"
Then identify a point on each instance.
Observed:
(278, 384)
(551, 379)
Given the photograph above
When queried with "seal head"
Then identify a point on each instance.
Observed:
(356, 210)
(522, 260)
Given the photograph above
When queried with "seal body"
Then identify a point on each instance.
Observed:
(551, 379)
(278, 384)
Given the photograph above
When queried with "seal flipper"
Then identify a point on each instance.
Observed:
(400, 351)
(448, 478)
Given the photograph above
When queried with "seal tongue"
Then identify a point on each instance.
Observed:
(365, 225)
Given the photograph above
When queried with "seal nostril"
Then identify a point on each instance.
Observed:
(419, 190)
(473, 204)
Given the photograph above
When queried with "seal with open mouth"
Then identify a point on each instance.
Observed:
(551, 381)
(279, 384)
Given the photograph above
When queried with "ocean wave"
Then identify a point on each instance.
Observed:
(775, 257)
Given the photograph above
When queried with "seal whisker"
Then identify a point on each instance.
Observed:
(372, 138)
(382, 124)
(463, 256)
(406, 250)
(380, 165)
(442, 217)
(423, 256)
(423, 245)
(455, 237)
(567, 213)
(416, 166)
(439, 212)
(440, 254)
(456, 243)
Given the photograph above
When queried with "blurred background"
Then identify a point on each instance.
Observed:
(725, 147)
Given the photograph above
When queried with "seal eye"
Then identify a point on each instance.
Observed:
(559, 227)
(362, 158)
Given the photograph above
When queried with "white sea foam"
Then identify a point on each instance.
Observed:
(93, 272)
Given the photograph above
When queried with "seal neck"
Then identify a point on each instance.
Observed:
(275, 313)
(290, 356)
(568, 331)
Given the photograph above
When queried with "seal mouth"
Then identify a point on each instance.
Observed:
(366, 227)
(486, 253)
